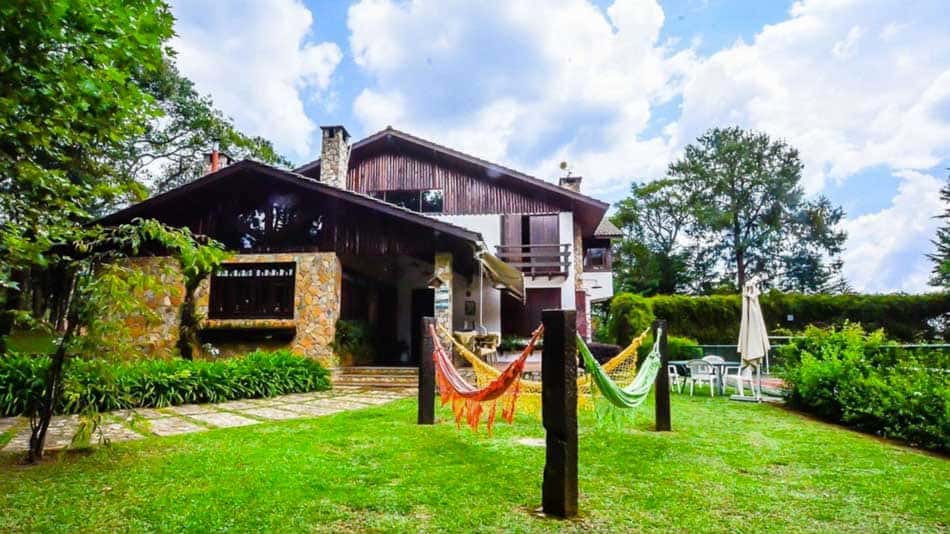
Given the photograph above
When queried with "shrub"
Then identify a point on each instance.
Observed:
(848, 376)
(715, 319)
(103, 386)
(629, 315)
(354, 342)
(602, 352)
(679, 348)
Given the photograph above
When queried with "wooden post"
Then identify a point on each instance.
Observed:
(426, 375)
(662, 384)
(559, 413)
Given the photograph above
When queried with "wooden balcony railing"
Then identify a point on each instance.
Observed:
(537, 260)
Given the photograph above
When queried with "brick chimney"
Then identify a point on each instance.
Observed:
(571, 182)
(334, 156)
(215, 161)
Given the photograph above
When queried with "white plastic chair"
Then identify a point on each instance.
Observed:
(754, 372)
(720, 371)
(676, 380)
(700, 371)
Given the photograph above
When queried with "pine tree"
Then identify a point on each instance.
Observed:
(941, 258)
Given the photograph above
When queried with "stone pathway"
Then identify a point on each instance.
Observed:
(125, 425)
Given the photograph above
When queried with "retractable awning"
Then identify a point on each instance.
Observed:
(504, 276)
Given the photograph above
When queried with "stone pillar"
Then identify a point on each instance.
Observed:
(443, 295)
(578, 258)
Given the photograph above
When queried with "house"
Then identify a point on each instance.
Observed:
(385, 231)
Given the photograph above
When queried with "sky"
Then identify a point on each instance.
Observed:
(615, 88)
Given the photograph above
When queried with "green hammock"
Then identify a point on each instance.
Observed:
(623, 397)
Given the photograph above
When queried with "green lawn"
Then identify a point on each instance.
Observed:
(727, 467)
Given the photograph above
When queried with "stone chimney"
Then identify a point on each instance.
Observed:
(334, 156)
(571, 182)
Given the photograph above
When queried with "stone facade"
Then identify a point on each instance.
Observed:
(578, 258)
(317, 282)
(443, 295)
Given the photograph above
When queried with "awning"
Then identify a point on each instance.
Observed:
(504, 276)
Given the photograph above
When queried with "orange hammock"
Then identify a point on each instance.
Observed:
(466, 399)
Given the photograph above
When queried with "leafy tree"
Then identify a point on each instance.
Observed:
(94, 280)
(941, 258)
(651, 258)
(169, 151)
(814, 237)
(749, 214)
(68, 97)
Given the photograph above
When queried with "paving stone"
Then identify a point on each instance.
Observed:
(58, 436)
(191, 409)
(271, 413)
(223, 420)
(6, 423)
(170, 426)
(313, 409)
(238, 405)
(299, 397)
(117, 432)
(145, 413)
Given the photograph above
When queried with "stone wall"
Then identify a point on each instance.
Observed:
(317, 283)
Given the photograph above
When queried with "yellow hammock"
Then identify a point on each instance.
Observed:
(622, 368)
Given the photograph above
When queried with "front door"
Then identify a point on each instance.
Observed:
(423, 305)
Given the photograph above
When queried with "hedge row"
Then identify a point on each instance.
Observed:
(103, 386)
(850, 377)
(715, 319)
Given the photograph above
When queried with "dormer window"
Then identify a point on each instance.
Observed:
(420, 200)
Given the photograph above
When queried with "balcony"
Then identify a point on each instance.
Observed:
(537, 260)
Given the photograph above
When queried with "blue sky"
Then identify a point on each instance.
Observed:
(614, 87)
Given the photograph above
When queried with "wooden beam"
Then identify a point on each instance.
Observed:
(662, 384)
(559, 413)
(426, 375)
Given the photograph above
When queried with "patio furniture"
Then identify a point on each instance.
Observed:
(712, 358)
(702, 371)
(676, 379)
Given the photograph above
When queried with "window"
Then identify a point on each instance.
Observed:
(253, 291)
(421, 200)
(597, 257)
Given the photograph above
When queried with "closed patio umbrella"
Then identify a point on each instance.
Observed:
(753, 337)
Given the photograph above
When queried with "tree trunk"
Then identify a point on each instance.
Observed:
(740, 268)
(188, 323)
(54, 375)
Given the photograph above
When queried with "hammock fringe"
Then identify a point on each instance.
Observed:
(467, 400)
(621, 367)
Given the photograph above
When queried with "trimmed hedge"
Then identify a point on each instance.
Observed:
(847, 376)
(103, 386)
(715, 319)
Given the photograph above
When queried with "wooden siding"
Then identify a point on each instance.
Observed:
(464, 193)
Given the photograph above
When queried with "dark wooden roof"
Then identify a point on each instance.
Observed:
(385, 209)
(588, 211)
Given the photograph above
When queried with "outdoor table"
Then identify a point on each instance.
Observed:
(721, 368)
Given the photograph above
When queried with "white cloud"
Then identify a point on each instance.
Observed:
(885, 250)
(255, 58)
(853, 84)
(845, 82)
(509, 81)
